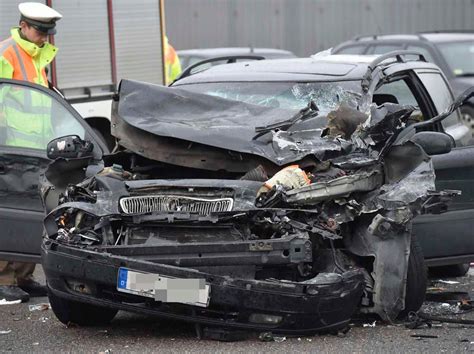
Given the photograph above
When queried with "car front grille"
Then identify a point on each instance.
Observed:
(170, 203)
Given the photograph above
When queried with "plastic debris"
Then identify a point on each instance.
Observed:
(447, 296)
(420, 336)
(370, 324)
(5, 302)
(43, 319)
(269, 337)
(39, 307)
(6, 332)
(447, 281)
(266, 337)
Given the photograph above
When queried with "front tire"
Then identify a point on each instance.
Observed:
(417, 278)
(68, 311)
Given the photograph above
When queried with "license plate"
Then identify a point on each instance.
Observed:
(163, 288)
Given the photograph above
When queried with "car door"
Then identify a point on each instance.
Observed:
(451, 236)
(22, 160)
(445, 238)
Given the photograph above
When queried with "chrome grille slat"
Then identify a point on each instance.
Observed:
(169, 203)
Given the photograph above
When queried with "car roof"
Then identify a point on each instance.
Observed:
(448, 36)
(316, 68)
(226, 51)
(435, 36)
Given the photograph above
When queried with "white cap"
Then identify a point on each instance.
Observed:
(39, 15)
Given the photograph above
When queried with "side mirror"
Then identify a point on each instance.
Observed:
(69, 147)
(434, 143)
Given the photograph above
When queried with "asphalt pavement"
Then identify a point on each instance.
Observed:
(22, 330)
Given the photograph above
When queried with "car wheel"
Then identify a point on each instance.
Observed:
(68, 311)
(417, 278)
(453, 270)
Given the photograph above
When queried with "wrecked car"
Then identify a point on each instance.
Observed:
(233, 214)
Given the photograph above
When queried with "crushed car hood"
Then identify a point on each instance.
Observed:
(216, 122)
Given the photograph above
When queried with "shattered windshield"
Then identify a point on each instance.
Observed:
(286, 95)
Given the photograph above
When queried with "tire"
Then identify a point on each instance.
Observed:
(453, 270)
(417, 279)
(80, 313)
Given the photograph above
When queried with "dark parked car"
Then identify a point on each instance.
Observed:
(452, 51)
(285, 204)
(189, 57)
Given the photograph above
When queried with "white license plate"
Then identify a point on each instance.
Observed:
(162, 288)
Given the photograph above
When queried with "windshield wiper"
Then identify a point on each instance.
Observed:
(311, 110)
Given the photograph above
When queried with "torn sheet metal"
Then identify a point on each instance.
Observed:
(213, 121)
(338, 187)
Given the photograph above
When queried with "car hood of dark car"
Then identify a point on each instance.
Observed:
(217, 122)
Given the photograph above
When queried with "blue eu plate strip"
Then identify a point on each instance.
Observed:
(122, 278)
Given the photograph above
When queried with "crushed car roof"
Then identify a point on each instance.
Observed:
(317, 68)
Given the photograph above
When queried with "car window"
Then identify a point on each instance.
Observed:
(440, 94)
(426, 53)
(194, 60)
(30, 118)
(395, 92)
(383, 48)
(459, 56)
(183, 60)
(354, 49)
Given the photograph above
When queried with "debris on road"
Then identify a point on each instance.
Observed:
(39, 307)
(5, 302)
(269, 337)
(373, 324)
(447, 296)
(447, 281)
(422, 336)
(6, 332)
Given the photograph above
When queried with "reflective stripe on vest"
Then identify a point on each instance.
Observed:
(20, 59)
(25, 140)
(6, 44)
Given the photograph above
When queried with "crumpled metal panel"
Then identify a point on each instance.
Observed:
(342, 186)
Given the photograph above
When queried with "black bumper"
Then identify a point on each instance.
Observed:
(303, 308)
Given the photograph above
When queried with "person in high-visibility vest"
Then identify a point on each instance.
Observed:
(172, 64)
(24, 118)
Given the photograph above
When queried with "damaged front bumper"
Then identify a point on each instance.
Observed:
(324, 303)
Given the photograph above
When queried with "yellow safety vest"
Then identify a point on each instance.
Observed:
(25, 113)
